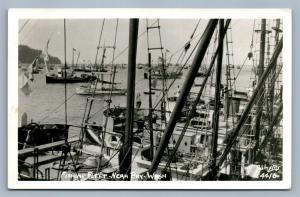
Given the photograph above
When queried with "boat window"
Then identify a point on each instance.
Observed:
(113, 138)
(202, 139)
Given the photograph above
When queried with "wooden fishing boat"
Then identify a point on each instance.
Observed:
(86, 90)
(71, 79)
(34, 134)
(171, 75)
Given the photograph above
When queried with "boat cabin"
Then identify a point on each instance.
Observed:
(187, 141)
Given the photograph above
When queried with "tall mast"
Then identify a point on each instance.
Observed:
(99, 42)
(65, 72)
(150, 95)
(273, 73)
(203, 45)
(77, 59)
(163, 102)
(260, 71)
(73, 57)
(217, 102)
(150, 109)
(197, 100)
(126, 152)
(102, 65)
(248, 108)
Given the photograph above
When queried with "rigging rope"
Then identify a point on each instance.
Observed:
(182, 67)
(26, 22)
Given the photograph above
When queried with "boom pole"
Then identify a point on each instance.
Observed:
(217, 103)
(125, 166)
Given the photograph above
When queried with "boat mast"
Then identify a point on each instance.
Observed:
(197, 100)
(102, 65)
(78, 55)
(163, 102)
(184, 93)
(126, 150)
(251, 102)
(65, 72)
(150, 110)
(269, 133)
(73, 50)
(260, 70)
(112, 79)
(273, 74)
(217, 102)
(150, 96)
(98, 46)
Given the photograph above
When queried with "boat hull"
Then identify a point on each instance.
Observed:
(88, 91)
(34, 134)
(56, 79)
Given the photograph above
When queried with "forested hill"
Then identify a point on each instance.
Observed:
(27, 55)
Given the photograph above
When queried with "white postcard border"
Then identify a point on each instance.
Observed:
(43, 13)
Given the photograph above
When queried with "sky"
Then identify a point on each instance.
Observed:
(83, 35)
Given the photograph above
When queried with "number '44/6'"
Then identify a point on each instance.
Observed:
(269, 176)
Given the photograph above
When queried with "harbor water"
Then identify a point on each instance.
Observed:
(46, 102)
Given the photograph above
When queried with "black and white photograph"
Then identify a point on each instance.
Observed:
(149, 99)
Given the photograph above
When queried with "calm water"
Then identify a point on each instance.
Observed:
(46, 102)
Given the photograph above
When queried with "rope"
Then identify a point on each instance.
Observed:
(124, 50)
(180, 70)
(195, 28)
(50, 113)
(26, 22)
(235, 78)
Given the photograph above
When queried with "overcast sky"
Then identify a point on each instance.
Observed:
(83, 35)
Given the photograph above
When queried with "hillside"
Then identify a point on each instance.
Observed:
(27, 55)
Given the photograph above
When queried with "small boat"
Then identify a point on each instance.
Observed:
(147, 92)
(103, 70)
(83, 70)
(34, 134)
(70, 78)
(100, 87)
(84, 90)
(74, 79)
(171, 75)
(140, 66)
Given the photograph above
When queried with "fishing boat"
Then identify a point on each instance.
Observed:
(101, 88)
(70, 78)
(83, 68)
(34, 134)
(167, 75)
(83, 90)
